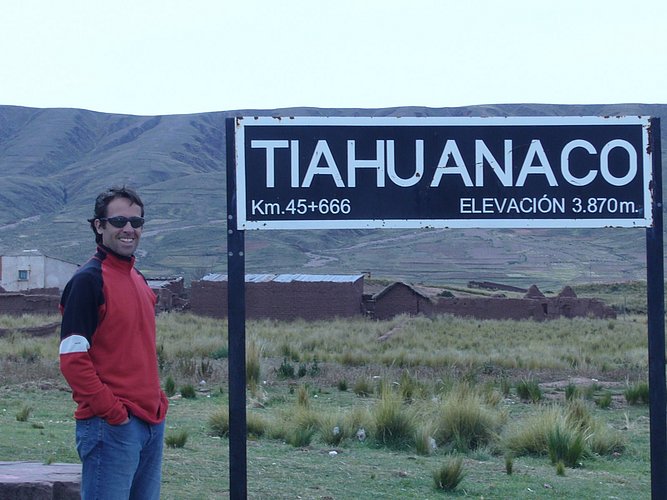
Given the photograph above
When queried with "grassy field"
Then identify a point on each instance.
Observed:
(532, 410)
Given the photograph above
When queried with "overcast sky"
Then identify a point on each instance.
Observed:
(154, 57)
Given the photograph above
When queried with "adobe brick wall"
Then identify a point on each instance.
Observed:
(493, 308)
(401, 300)
(303, 299)
(286, 301)
(323, 300)
(16, 304)
(571, 307)
(209, 298)
(535, 309)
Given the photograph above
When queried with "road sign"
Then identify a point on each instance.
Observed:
(512, 172)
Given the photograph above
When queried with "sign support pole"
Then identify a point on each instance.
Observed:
(238, 473)
(656, 324)
(366, 207)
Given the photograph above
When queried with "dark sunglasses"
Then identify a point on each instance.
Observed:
(120, 221)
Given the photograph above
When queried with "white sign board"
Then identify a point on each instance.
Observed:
(512, 172)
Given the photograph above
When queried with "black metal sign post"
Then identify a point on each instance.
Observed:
(655, 281)
(238, 473)
(408, 172)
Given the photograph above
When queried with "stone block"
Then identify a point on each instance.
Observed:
(38, 481)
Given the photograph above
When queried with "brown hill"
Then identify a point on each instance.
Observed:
(54, 161)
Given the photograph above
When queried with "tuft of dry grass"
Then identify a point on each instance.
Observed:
(448, 476)
(465, 421)
(394, 424)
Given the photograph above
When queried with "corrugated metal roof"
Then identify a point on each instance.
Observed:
(158, 283)
(215, 277)
(289, 278)
(336, 278)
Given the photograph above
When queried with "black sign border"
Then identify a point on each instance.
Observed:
(245, 223)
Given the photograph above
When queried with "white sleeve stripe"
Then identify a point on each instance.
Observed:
(74, 343)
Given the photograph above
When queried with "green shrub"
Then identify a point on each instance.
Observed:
(425, 443)
(529, 390)
(300, 426)
(590, 391)
(393, 425)
(256, 424)
(289, 352)
(363, 387)
(637, 394)
(303, 396)
(356, 420)
(221, 352)
(176, 440)
(169, 386)
(253, 363)
(218, 423)
(24, 413)
(505, 386)
(332, 429)
(509, 464)
(408, 387)
(604, 401)
(465, 421)
(566, 434)
(314, 369)
(448, 476)
(205, 369)
(604, 440)
(188, 391)
(342, 385)
(304, 418)
(571, 392)
(31, 354)
(565, 445)
(285, 370)
(300, 437)
(578, 414)
(529, 437)
(560, 468)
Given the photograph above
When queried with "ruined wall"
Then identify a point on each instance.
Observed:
(170, 293)
(534, 309)
(570, 307)
(16, 304)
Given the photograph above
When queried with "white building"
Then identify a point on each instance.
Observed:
(32, 269)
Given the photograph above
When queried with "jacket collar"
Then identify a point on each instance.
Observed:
(105, 253)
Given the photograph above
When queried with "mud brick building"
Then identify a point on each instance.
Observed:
(283, 296)
(170, 292)
(534, 306)
(398, 298)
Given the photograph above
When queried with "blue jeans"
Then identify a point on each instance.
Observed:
(120, 462)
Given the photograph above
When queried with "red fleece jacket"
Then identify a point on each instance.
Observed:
(107, 349)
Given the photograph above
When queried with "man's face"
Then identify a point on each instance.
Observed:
(123, 240)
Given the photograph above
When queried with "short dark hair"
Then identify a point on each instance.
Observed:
(102, 202)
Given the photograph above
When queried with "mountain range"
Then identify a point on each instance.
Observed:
(53, 162)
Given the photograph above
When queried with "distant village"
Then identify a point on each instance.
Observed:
(31, 283)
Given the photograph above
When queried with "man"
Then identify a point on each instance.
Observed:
(108, 357)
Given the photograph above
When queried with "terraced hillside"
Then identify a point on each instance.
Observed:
(54, 161)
